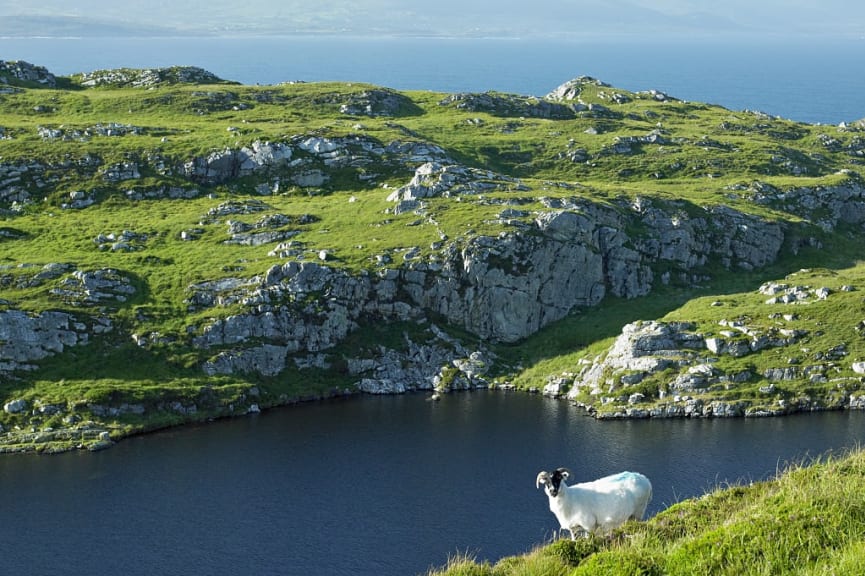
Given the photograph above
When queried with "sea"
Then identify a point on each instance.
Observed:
(806, 79)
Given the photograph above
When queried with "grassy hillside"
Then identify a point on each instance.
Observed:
(109, 158)
(809, 520)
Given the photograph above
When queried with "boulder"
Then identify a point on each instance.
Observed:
(15, 406)
(572, 89)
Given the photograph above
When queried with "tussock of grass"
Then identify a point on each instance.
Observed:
(808, 520)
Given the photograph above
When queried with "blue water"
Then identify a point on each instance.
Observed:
(374, 486)
(817, 82)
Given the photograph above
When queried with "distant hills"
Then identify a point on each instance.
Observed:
(544, 18)
(74, 26)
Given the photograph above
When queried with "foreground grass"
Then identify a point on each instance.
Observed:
(810, 520)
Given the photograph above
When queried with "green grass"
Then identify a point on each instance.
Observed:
(809, 520)
(708, 156)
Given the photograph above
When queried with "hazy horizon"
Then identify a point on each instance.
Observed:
(459, 18)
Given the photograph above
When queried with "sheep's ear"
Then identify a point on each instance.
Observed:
(542, 478)
(565, 473)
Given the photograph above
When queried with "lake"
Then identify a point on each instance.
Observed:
(806, 80)
(363, 486)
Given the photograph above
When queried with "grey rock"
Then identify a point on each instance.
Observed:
(95, 287)
(787, 373)
(149, 77)
(376, 102)
(25, 338)
(509, 105)
(433, 179)
(721, 409)
(571, 89)
(557, 387)
(15, 406)
(381, 386)
(310, 178)
(121, 171)
(26, 72)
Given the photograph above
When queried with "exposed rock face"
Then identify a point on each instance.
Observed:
(826, 206)
(641, 349)
(15, 406)
(503, 288)
(307, 158)
(739, 240)
(25, 338)
(508, 287)
(441, 364)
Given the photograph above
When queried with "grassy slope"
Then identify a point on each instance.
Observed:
(809, 520)
(706, 149)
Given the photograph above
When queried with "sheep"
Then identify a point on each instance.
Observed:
(598, 506)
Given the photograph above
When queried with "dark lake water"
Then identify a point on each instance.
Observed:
(383, 486)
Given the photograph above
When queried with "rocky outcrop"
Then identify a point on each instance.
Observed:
(434, 179)
(108, 130)
(826, 206)
(377, 102)
(501, 288)
(309, 160)
(509, 105)
(643, 348)
(441, 364)
(13, 72)
(230, 163)
(149, 77)
(672, 369)
(26, 338)
(88, 288)
(572, 89)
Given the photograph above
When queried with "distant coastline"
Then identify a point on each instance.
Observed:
(802, 81)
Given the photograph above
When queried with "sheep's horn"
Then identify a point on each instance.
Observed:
(564, 472)
(543, 478)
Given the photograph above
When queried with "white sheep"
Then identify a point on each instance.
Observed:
(598, 506)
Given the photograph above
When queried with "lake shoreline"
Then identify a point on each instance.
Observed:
(93, 438)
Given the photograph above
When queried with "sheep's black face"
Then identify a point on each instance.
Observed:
(555, 483)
